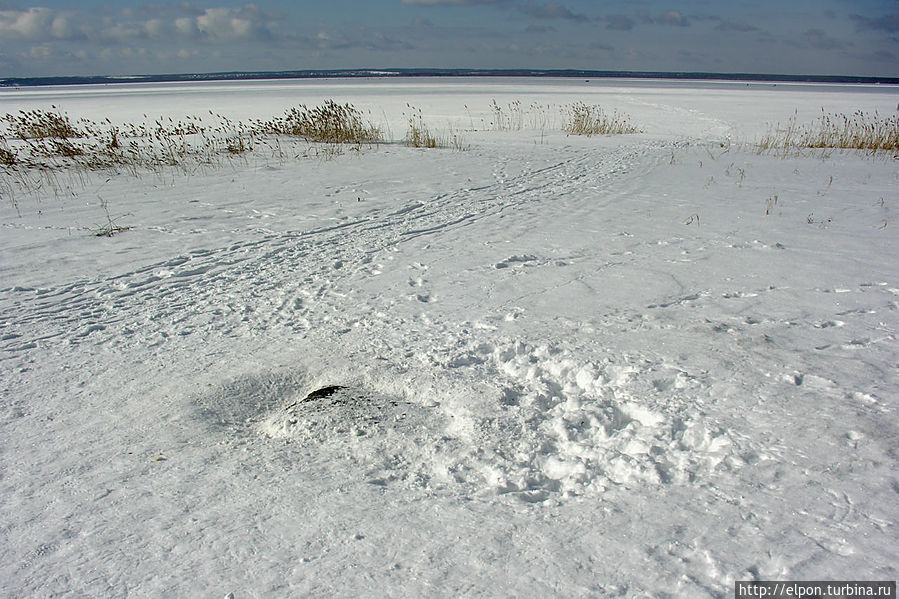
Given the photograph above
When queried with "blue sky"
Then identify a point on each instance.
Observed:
(92, 37)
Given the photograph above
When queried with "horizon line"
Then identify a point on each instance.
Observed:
(437, 72)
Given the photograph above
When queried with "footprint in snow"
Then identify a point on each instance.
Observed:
(522, 260)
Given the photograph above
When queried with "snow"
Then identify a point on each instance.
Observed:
(638, 366)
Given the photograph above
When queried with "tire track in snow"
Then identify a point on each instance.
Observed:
(250, 285)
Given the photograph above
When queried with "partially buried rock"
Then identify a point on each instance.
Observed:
(318, 394)
(323, 392)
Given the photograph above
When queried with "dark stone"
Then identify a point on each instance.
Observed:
(323, 392)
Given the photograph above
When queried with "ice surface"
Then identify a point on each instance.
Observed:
(568, 366)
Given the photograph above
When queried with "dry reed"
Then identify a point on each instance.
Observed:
(593, 120)
(858, 131)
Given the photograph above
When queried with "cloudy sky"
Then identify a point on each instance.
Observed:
(94, 37)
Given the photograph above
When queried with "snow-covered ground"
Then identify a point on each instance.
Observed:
(635, 366)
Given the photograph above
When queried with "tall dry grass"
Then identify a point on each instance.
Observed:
(515, 116)
(859, 131)
(41, 124)
(418, 135)
(329, 123)
(584, 119)
(43, 149)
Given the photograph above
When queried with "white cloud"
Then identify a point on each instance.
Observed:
(40, 52)
(123, 32)
(187, 27)
(674, 18)
(551, 10)
(215, 23)
(156, 28)
(248, 22)
(33, 23)
(39, 24)
(62, 27)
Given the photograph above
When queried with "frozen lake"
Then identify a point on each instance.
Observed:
(664, 107)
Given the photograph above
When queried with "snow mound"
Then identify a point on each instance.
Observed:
(548, 427)
(390, 438)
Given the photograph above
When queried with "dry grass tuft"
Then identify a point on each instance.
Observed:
(40, 150)
(329, 123)
(418, 135)
(592, 120)
(41, 124)
(7, 157)
(858, 131)
(510, 118)
(514, 116)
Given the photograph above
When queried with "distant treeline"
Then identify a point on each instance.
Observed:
(324, 74)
